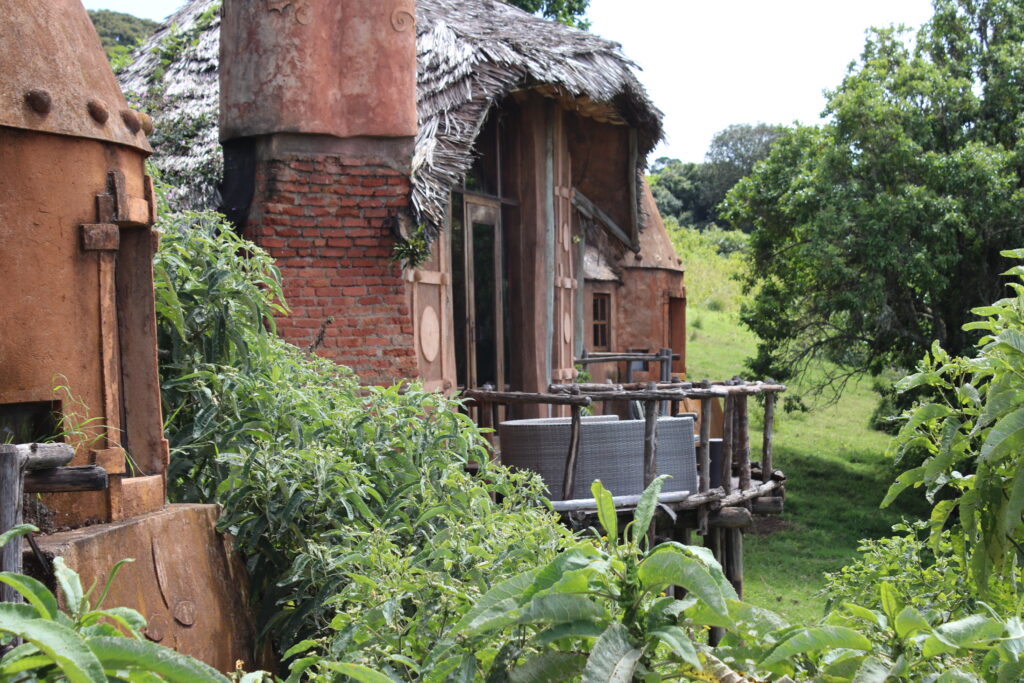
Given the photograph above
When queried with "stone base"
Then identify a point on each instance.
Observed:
(185, 580)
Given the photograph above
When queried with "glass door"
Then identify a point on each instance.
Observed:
(480, 292)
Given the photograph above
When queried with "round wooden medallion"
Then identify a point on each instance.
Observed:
(430, 334)
(567, 328)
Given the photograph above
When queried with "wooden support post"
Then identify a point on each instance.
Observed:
(766, 444)
(12, 464)
(572, 457)
(650, 442)
(665, 356)
(705, 462)
(713, 542)
(734, 559)
(650, 453)
(728, 442)
(744, 441)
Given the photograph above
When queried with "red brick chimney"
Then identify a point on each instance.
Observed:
(318, 119)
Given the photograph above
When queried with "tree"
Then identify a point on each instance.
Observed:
(880, 230)
(568, 12)
(677, 189)
(730, 157)
(692, 193)
(120, 32)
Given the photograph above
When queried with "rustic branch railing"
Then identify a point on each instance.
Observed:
(36, 468)
(718, 513)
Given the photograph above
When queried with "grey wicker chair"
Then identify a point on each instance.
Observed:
(611, 450)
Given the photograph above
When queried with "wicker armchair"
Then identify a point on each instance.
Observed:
(610, 450)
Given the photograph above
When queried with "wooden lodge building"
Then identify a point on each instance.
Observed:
(513, 146)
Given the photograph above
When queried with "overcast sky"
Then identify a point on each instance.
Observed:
(711, 63)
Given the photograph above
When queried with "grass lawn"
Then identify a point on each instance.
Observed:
(837, 474)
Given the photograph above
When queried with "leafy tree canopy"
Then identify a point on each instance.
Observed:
(568, 12)
(120, 32)
(880, 230)
(692, 193)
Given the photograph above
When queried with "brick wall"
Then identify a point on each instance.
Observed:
(324, 219)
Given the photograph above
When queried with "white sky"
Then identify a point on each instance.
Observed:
(711, 63)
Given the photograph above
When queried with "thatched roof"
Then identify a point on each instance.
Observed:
(470, 53)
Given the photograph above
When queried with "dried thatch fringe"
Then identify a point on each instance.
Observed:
(470, 53)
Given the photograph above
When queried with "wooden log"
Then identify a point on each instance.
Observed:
(524, 397)
(40, 456)
(768, 434)
(728, 443)
(705, 462)
(11, 472)
(713, 542)
(66, 480)
(623, 504)
(733, 565)
(618, 358)
(744, 441)
(731, 518)
(718, 496)
(585, 387)
(650, 442)
(572, 457)
(772, 505)
(650, 452)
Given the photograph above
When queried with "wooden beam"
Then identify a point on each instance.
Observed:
(524, 397)
(572, 457)
(593, 212)
(66, 480)
(11, 473)
(39, 456)
(768, 433)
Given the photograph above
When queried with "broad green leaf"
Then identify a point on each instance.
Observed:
(16, 532)
(605, 510)
(549, 666)
(891, 603)
(957, 676)
(561, 608)
(872, 670)
(126, 653)
(922, 414)
(908, 478)
(613, 658)
(70, 586)
(679, 642)
(299, 648)
(1006, 435)
(358, 672)
(870, 616)
(62, 645)
(973, 631)
(645, 508)
(508, 590)
(576, 629)
(909, 621)
(670, 566)
(37, 595)
(817, 638)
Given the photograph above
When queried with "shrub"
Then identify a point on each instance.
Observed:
(353, 506)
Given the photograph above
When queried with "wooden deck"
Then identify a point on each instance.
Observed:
(718, 514)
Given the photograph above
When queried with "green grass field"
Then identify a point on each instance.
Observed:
(837, 475)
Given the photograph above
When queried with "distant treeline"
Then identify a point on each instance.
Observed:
(693, 193)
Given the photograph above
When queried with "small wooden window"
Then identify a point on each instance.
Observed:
(602, 321)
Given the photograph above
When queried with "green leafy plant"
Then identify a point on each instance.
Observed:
(972, 432)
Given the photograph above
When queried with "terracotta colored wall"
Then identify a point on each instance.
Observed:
(325, 219)
(81, 318)
(335, 68)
